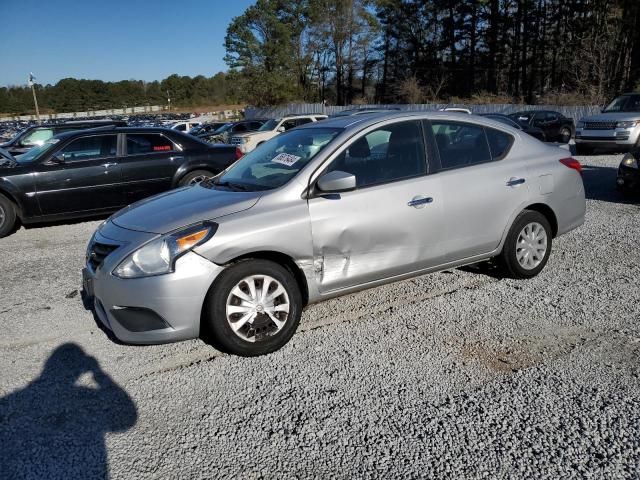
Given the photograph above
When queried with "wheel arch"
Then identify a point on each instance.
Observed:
(180, 174)
(281, 259)
(13, 199)
(548, 213)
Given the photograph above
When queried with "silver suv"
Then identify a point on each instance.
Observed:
(323, 210)
(618, 126)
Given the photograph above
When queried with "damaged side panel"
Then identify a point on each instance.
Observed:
(372, 233)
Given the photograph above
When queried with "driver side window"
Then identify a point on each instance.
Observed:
(90, 148)
(389, 153)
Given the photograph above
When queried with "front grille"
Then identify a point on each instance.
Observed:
(236, 140)
(600, 125)
(97, 253)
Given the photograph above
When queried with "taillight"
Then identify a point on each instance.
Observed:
(572, 163)
(239, 153)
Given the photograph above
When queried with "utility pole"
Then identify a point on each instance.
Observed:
(35, 99)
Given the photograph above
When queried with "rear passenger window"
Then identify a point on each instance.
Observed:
(499, 143)
(460, 144)
(302, 121)
(147, 143)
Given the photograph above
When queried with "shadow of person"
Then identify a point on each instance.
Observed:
(55, 427)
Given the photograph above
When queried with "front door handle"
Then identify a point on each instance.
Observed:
(109, 164)
(419, 201)
(514, 182)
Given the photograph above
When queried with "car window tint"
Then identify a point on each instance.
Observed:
(240, 128)
(147, 143)
(499, 143)
(389, 153)
(255, 125)
(89, 148)
(302, 121)
(460, 144)
(289, 124)
(38, 136)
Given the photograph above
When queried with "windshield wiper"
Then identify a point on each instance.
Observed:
(233, 186)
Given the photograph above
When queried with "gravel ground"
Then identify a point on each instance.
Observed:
(452, 375)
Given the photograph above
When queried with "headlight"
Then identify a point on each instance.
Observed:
(630, 161)
(159, 256)
(244, 140)
(580, 125)
(626, 124)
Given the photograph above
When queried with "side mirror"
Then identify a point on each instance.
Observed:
(280, 130)
(337, 181)
(58, 159)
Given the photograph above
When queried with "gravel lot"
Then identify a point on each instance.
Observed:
(452, 375)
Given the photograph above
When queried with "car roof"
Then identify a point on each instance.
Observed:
(363, 121)
(115, 129)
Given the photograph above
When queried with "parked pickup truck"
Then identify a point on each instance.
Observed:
(617, 127)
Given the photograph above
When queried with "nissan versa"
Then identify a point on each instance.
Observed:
(323, 210)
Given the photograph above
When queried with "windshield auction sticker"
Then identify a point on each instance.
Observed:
(285, 159)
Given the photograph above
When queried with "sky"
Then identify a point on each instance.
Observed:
(113, 39)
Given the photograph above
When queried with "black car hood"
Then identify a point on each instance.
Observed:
(171, 210)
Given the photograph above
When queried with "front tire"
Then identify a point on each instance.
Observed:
(7, 216)
(528, 245)
(195, 177)
(253, 308)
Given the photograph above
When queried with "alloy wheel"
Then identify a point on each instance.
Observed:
(257, 308)
(3, 216)
(531, 246)
(197, 180)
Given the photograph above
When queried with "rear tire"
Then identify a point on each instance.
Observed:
(565, 135)
(527, 247)
(583, 149)
(195, 177)
(7, 216)
(242, 319)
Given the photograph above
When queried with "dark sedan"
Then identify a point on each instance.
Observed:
(556, 127)
(92, 172)
(36, 135)
(224, 133)
(528, 129)
(628, 179)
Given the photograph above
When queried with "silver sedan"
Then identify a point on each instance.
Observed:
(323, 210)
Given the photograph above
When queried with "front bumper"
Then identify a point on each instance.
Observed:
(628, 178)
(159, 309)
(614, 138)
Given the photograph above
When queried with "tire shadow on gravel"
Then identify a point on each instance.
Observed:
(55, 427)
(600, 184)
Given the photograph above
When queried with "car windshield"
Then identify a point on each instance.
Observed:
(277, 161)
(269, 125)
(35, 153)
(625, 103)
(223, 128)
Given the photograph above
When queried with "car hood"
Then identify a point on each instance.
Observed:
(171, 210)
(612, 117)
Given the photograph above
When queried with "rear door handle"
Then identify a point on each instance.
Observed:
(419, 201)
(513, 181)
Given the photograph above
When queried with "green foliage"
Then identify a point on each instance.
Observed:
(72, 95)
